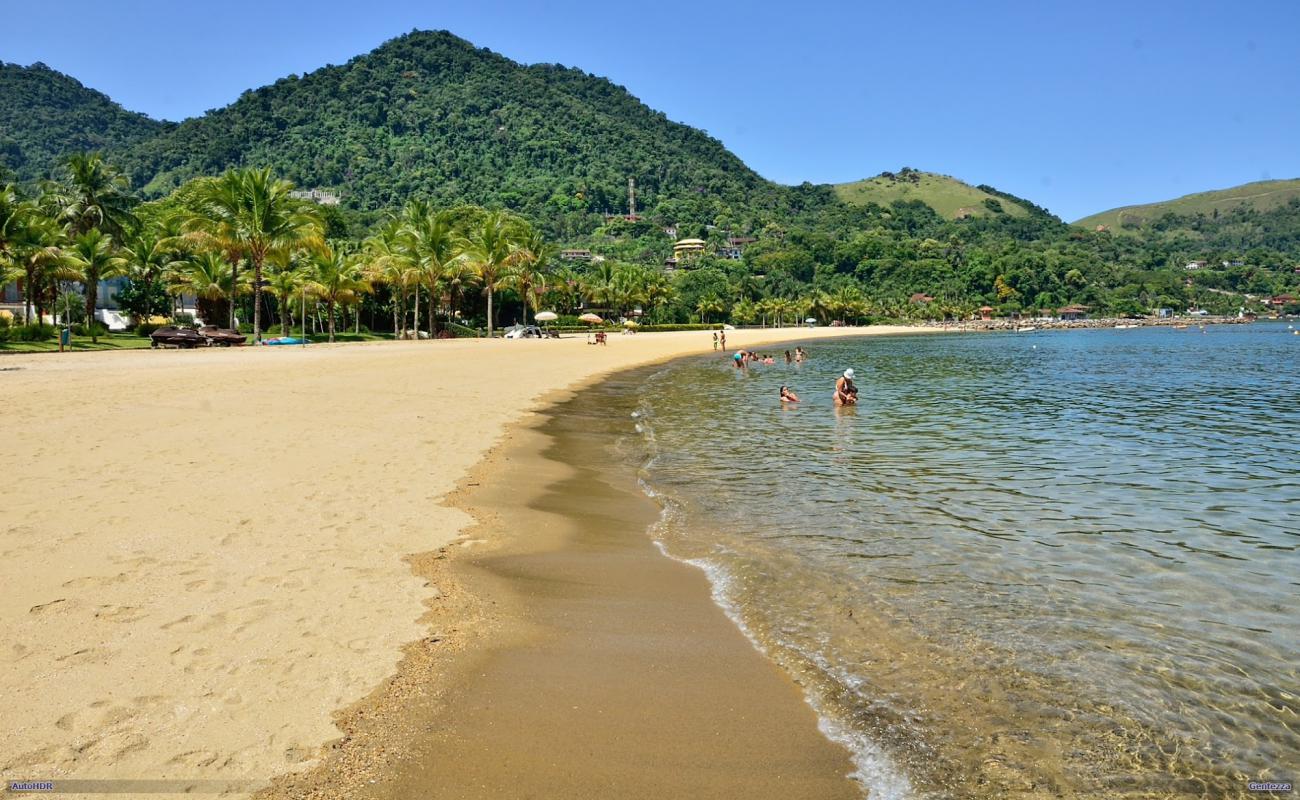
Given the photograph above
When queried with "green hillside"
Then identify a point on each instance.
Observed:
(429, 113)
(45, 115)
(948, 196)
(1261, 195)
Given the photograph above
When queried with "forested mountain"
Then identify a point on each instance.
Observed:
(45, 115)
(430, 114)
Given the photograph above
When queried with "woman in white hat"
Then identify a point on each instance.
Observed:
(846, 393)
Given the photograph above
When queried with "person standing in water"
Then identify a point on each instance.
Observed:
(788, 396)
(846, 393)
(724, 341)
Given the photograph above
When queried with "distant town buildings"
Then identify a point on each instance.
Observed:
(688, 248)
(575, 255)
(1195, 265)
(318, 196)
(1072, 312)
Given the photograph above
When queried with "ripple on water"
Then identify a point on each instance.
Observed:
(1050, 569)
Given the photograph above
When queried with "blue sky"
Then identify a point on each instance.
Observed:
(1079, 107)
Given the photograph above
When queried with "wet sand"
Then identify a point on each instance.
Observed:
(610, 672)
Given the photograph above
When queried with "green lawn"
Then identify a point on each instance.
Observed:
(112, 341)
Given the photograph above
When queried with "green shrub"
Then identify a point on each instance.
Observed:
(36, 332)
(93, 329)
(147, 328)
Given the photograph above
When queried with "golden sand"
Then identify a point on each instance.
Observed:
(203, 551)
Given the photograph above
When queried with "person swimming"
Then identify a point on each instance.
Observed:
(787, 396)
(846, 392)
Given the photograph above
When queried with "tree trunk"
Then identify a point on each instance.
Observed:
(415, 327)
(330, 305)
(286, 317)
(489, 311)
(397, 334)
(257, 299)
(92, 295)
(234, 283)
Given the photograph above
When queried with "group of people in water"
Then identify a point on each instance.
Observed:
(846, 391)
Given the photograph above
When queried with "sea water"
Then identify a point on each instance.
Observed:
(1060, 563)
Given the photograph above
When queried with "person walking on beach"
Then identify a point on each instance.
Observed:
(715, 340)
(846, 393)
(724, 341)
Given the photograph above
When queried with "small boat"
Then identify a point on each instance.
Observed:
(1026, 329)
(1180, 327)
(1126, 327)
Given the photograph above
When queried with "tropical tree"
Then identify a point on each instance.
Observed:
(149, 251)
(457, 276)
(490, 250)
(707, 305)
(285, 281)
(34, 247)
(247, 213)
(433, 244)
(528, 273)
(207, 275)
(96, 195)
(335, 276)
(388, 260)
(92, 255)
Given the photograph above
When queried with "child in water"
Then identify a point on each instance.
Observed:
(788, 396)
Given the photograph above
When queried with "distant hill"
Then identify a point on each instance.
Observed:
(1261, 195)
(951, 198)
(429, 113)
(45, 115)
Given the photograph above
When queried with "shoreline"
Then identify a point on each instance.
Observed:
(589, 639)
(255, 558)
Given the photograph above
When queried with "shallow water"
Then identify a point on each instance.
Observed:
(1060, 563)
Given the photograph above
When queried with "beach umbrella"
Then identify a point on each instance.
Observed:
(630, 323)
(591, 319)
(545, 316)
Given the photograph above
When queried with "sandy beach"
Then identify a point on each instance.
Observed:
(208, 555)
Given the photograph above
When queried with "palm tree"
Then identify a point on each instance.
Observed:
(208, 276)
(490, 250)
(335, 277)
(388, 261)
(150, 251)
(96, 196)
(434, 245)
(528, 275)
(249, 214)
(709, 304)
(35, 248)
(457, 276)
(92, 256)
(285, 280)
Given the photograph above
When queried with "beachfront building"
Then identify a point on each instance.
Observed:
(688, 249)
(1071, 313)
(575, 255)
(920, 298)
(1195, 265)
(986, 312)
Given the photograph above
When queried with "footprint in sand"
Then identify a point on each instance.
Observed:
(120, 613)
